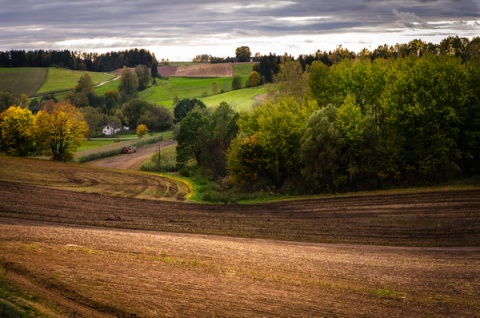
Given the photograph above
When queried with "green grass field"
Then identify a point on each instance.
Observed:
(165, 91)
(22, 80)
(59, 79)
(240, 100)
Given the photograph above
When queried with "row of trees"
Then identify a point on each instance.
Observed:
(94, 62)
(269, 65)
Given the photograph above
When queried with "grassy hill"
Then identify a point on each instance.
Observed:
(37, 80)
(166, 89)
(63, 79)
(20, 80)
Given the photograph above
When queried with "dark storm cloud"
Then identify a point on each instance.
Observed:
(28, 24)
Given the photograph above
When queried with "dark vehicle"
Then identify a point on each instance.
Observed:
(129, 149)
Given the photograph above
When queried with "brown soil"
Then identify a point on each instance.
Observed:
(198, 70)
(94, 255)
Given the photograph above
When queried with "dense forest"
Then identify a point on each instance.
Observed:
(93, 62)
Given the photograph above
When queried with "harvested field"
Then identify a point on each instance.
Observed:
(97, 253)
(198, 70)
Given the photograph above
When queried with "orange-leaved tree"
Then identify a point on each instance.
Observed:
(60, 129)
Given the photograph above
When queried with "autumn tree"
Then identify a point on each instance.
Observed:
(254, 79)
(16, 131)
(60, 129)
(142, 130)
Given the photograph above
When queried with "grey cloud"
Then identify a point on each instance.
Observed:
(409, 19)
(28, 24)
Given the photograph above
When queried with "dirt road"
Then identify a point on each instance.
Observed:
(132, 161)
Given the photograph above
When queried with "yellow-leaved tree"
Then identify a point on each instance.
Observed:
(16, 131)
(142, 130)
(60, 129)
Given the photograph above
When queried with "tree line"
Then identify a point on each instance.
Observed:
(83, 61)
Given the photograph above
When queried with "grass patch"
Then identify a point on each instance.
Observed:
(165, 91)
(240, 100)
(115, 148)
(94, 143)
(27, 80)
(64, 79)
(243, 70)
(12, 303)
(163, 161)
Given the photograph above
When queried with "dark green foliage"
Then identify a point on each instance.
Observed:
(184, 106)
(94, 62)
(236, 82)
(134, 109)
(157, 119)
(204, 137)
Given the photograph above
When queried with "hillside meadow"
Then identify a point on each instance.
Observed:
(23, 80)
(37, 80)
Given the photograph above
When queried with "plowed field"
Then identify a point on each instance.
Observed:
(95, 253)
(198, 70)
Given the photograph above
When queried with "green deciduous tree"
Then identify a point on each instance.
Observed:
(17, 135)
(277, 128)
(128, 84)
(157, 119)
(60, 129)
(351, 125)
(243, 54)
(144, 76)
(134, 109)
(321, 151)
(184, 106)
(423, 102)
(192, 137)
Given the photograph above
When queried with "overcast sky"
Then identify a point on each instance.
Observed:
(181, 29)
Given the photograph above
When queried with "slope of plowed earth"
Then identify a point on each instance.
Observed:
(39, 190)
(45, 175)
(96, 272)
(198, 70)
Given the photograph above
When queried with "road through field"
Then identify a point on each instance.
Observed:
(132, 161)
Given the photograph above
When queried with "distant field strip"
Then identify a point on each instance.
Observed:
(25, 80)
(200, 70)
